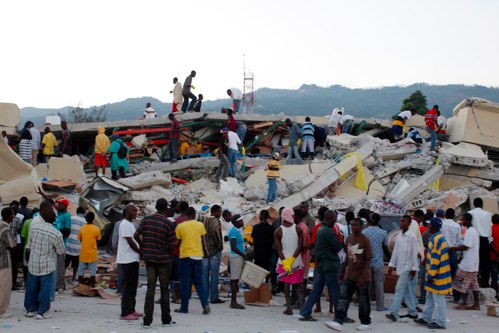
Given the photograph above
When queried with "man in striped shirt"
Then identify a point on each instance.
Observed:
(438, 282)
(157, 243)
(307, 137)
(73, 245)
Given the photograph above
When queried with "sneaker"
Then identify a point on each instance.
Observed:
(391, 316)
(206, 310)
(170, 323)
(217, 301)
(435, 326)
(131, 316)
(145, 326)
(363, 327)
(383, 309)
(420, 321)
(30, 314)
(334, 325)
(5, 315)
(410, 316)
(45, 315)
(348, 321)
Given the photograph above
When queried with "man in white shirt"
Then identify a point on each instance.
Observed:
(405, 261)
(451, 231)
(234, 143)
(334, 120)
(35, 144)
(467, 274)
(442, 128)
(178, 99)
(237, 97)
(399, 123)
(128, 258)
(149, 112)
(482, 221)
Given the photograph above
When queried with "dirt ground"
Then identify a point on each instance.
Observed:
(83, 314)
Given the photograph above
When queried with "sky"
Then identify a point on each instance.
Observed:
(87, 52)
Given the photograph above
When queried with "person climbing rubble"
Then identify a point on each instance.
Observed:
(119, 157)
(399, 123)
(272, 169)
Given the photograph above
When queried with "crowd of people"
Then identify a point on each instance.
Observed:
(183, 247)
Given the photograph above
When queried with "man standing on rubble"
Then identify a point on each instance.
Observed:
(213, 245)
(102, 144)
(224, 165)
(119, 157)
(399, 123)
(128, 258)
(482, 221)
(294, 135)
(334, 120)
(232, 151)
(186, 93)
(174, 137)
(67, 140)
(237, 97)
(157, 243)
(177, 95)
(35, 144)
(307, 137)
(430, 118)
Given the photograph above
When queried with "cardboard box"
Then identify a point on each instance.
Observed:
(84, 290)
(492, 309)
(258, 296)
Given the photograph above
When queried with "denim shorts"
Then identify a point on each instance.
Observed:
(92, 266)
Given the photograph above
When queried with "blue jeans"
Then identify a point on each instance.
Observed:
(422, 291)
(272, 189)
(434, 309)
(321, 279)
(291, 150)
(231, 155)
(241, 132)
(37, 296)
(211, 274)
(432, 138)
(347, 290)
(186, 101)
(191, 271)
(404, 290)
(53, 283)
(173, 149)
(237, 105)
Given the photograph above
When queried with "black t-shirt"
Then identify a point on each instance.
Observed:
(263, 239)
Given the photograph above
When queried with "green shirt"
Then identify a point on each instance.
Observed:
(327, 247)
(25, 234)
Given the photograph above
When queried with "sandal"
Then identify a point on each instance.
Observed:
(288, 312)
(309, 318)
(237, 306)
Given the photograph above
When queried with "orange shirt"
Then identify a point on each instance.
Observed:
(88, 235)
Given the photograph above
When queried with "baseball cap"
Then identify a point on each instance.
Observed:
(64, 201)
(436, 222)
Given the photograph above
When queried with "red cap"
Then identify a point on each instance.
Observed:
(64, 201)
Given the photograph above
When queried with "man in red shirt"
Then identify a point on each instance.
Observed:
(430, 118)
(494, 252)
(174, 137)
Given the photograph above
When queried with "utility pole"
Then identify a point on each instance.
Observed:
(248, 86)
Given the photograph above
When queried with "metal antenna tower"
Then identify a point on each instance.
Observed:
(248, 95)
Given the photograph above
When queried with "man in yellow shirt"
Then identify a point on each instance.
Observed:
(48, 144)
(102, 144)
(189, 234)
(88, 235)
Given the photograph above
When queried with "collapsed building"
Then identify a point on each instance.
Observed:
(348, 172)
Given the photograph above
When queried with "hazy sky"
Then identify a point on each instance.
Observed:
(59, 53)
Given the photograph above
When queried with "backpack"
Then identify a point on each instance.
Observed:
(122, 152)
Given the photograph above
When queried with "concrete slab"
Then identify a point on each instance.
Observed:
(9, 118)
(466, 154)
(147, 179)
(348, 190)
(66, 168)
(418, 186)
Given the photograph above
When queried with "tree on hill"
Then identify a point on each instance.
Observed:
(95, 114)
(417, 101)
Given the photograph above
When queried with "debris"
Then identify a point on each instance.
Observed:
(147, 179)
(66, 168)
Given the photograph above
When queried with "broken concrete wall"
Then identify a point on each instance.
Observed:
(474, 121)
(9, 118)
(418, 186)
(66, 168)
(466, 154)
(17, 178)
